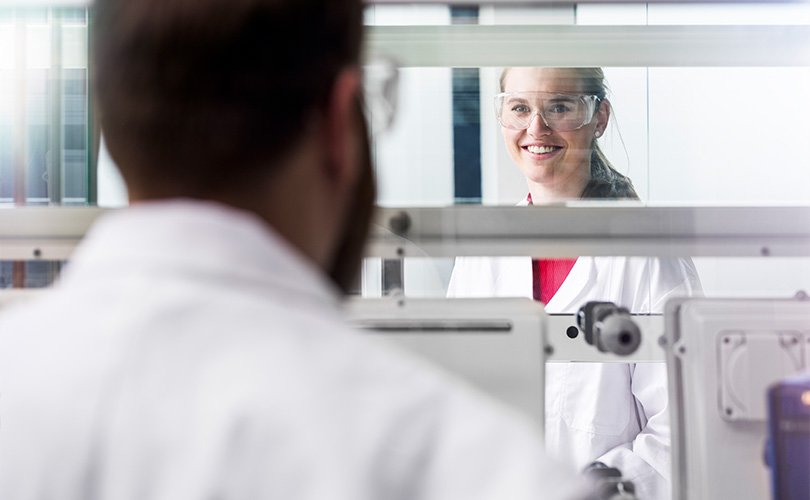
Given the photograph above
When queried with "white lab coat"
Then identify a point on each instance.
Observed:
(615, 413)
(190, 353)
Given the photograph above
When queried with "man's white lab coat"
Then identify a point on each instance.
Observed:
(190, 353)
(615, 413)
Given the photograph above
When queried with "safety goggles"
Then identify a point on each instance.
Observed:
(560, 112)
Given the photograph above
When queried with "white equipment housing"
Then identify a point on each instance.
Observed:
(722, 354)
(496, 345)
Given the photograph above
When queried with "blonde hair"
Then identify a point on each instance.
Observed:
(606, 181)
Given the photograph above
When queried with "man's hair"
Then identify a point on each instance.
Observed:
(197, 96)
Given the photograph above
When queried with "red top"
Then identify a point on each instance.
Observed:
(548, 274)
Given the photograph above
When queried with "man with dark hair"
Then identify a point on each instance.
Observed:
(194, 348)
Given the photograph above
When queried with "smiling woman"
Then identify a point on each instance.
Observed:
(613, 413)
(551, 119)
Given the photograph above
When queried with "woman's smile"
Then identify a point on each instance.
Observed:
(541, 152)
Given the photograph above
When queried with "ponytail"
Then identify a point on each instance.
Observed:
(606, 181)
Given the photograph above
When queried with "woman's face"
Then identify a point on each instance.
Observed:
(558, 160)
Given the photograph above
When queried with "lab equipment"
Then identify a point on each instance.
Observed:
(788, 451)
(722, 355)
(496, 345)
(609, 327)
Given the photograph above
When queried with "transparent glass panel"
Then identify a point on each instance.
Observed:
(411, 277)
(682, 135)
(407, 15)
(743, 144)
(753, 277)
(774, 13)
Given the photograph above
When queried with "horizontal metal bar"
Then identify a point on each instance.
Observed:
(593, 230)
(43, 233)
(50, 233)
(571, 46)
(52, 222)
(552, 246)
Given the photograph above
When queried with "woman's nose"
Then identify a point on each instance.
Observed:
(537, 126)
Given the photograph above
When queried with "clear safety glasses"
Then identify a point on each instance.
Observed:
(380, 88)
(560, 112)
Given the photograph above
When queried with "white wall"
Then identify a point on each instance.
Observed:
(729, 135)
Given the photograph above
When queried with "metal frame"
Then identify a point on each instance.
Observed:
(43, 233)
(574, 46)
(562, 348)
(593, 229)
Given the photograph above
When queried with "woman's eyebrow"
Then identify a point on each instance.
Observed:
(561, 98)
(516, 99)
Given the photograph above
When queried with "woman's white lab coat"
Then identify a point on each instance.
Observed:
(615, 413)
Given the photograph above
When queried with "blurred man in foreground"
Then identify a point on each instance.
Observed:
(195, 348)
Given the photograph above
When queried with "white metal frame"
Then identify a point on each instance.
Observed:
(575, 46)
(593, 229)
(43, 233)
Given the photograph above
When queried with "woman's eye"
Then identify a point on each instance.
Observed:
(559, 108)
(520, 108)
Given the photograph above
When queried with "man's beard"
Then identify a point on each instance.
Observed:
(345, 267)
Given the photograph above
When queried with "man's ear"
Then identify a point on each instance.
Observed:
(340, 127)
